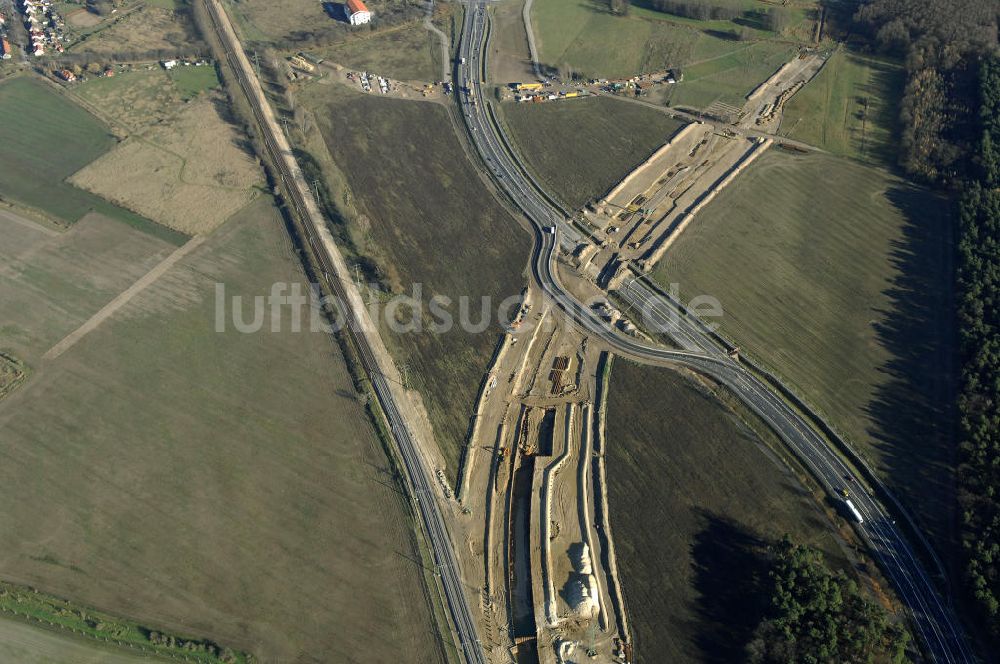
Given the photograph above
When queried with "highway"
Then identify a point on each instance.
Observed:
(360, 327)
(935, 624)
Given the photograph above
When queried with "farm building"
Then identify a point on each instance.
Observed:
(357, 12)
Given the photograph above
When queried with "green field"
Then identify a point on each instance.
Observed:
(411, 53)
(218, 485)
(191, 81)
(38, 609)
(836, 275)
(137, 98)
(801, 18)
(140, 98)
(580, 148)
(830, 111)
(426, 218)
(592, 42)
(729, 77)
(56, 284)
(694, 497)
(44, 139)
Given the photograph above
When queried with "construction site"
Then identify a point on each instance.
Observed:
(637, 221)
(531, 497)
(533, 470)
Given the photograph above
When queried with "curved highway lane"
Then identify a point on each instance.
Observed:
(934, 621)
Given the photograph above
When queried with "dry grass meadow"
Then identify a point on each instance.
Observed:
(149, 28)
(189, 174)
(221, 485)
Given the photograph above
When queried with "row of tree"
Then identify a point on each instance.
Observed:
(941, 42)
(775, 19)
(979, 319)
(697, 10)
(817, 616)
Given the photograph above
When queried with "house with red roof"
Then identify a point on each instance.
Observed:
(357, 12)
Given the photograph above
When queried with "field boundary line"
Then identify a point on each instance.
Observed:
(529, 31)
(27, 223)
(123, 298)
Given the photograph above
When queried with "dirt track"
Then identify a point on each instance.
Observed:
(114, 305)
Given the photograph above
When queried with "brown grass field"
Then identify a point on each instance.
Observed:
(695, 497)
(224, 485)
(419, 209)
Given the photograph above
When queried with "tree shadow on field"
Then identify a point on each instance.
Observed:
(882, 94)
(730, 572)
(240, 140)
(913, 411)
(725, 35)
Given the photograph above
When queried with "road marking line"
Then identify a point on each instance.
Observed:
(122, 299)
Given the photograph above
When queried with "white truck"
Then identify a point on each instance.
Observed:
(854, 511)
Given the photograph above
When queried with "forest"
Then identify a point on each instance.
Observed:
(941, 43)
(818, 616)
(979, 321)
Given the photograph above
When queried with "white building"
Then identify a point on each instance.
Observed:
(357, 12)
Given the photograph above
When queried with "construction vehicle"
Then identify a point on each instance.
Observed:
(527, 86)
(301, 63)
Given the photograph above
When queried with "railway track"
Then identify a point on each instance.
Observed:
(362, 331)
